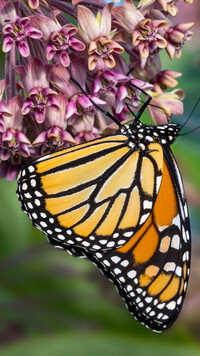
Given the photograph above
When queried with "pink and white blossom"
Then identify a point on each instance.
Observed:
(40, 95)
(97, 34)
(18, 32)
(69, 63)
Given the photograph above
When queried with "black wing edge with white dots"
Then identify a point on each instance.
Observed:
(142, 301)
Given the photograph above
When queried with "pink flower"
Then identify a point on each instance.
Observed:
(106, 83)
(146, 36)
(165, 79)
(176, 37)
(96, 32)
(40, 96)
(47, 43)
(14, 145)
(53, 139)
(34, 4)
(144, 32)
(164, 105)
(164, 5)
(46, 25)
(79, 109)
(4, 114)
(16, 32)
(130, 95)
(63, 41)
(85, 136)
(117, 89)
(127, 16)
(60, 40)
(56, 136)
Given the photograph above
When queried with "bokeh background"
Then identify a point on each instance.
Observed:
(53, 304)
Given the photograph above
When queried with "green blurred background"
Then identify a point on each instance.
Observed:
(53, 304)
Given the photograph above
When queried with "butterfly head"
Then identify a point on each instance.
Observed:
(142, 134)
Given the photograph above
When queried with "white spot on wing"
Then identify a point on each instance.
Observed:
(171, 305)
(42, 158)
(144, 218)
(176, 242)
(147, 204)
(179, 271)
(176, 221)
(128, 234)
(31, 169)
(125, 263)
(186, 210)
(115, 259)
(169, 266)
(158, 182)
(131, 274)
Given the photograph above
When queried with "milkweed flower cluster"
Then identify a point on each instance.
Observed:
(112, 51)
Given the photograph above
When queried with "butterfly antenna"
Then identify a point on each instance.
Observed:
(186, 133)
(131, 70)
(190, 117)
(96, 105)
(131, 111)
(144, 106)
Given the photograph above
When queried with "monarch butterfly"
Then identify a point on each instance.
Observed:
(119, 201)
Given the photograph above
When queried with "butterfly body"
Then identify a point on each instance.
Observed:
(119, 201)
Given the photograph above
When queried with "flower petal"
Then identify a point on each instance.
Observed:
(106, 19)
(71, 109)
(76, 45)
(60, 76)
(92, 61)
(37, 73)
(143, 49)
(63, 58)
(122, 92)
(7, 44)
(15, 107)
(50, 51)
(34, 4)
(127, 18)
(23, 48)
(160, 41)
(69, 30)
(68, 137)
(57, 118)
(109, 61)
(33, 32)
(88, 23)
(22, 138)
(84, 101)
(97, 100)
(27, 106)
(40, 115)
(41, 138)
(24, 150)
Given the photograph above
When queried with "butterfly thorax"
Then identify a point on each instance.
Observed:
(141, 134)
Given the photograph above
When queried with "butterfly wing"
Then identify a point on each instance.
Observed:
(151, 270)
(95, 195)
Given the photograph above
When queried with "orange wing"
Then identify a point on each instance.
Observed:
(95, 195)
(151, 270)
